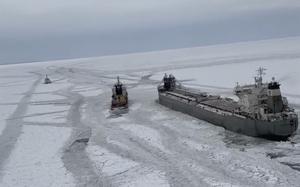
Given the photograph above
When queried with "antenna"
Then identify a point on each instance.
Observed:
(258, 78)
(261, 72)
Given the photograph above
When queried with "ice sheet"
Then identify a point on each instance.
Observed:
(36, 160)
(148, 145)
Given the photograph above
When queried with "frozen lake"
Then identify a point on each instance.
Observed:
(44, 128)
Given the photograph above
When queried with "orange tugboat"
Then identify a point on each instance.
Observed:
(119, 96)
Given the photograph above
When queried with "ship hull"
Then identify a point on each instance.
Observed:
(119, 102)
(256, 128)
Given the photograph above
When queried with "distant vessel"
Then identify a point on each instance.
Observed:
(260, 112)
(47, 80)
(119, 95)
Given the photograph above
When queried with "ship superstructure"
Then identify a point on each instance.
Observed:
(263, 101)
(260, 111)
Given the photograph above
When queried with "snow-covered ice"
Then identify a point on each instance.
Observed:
(145, 133)
(46, 113)
(36, 161)
(124, 172)
(109, 163)
(64, 134)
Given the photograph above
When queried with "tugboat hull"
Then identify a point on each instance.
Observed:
(280, 129)
(119, 102)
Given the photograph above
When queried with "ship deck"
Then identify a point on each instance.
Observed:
(222, 104)
(211, 101)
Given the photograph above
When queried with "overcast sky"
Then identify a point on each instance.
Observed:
(39, 30)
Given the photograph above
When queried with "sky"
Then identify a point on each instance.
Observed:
(41, 30)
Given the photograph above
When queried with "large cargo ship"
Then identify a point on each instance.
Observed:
(261, 111)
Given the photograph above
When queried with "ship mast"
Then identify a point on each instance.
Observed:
(118, 78)
(260, 74)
